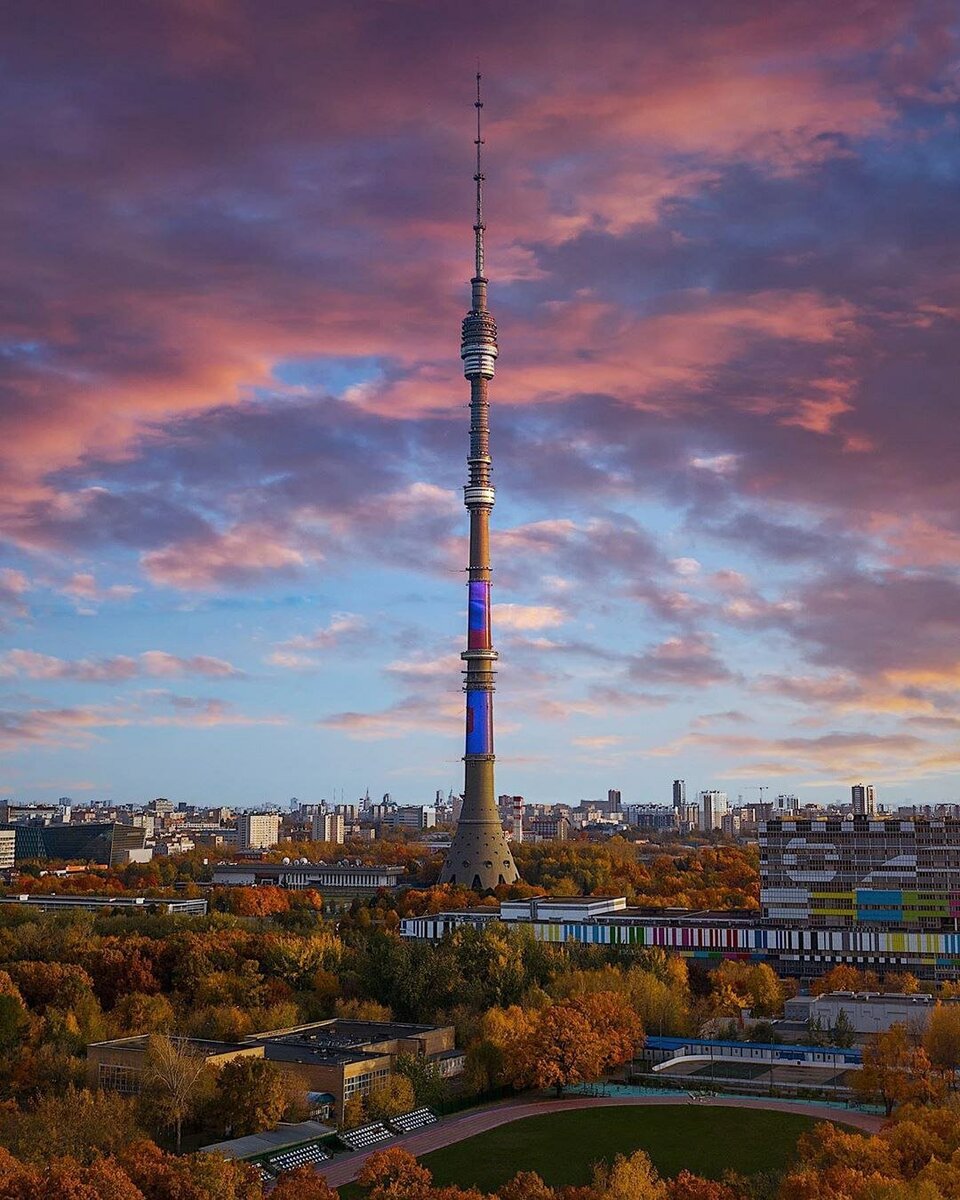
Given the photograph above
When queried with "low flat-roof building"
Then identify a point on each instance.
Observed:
(355, 879)
(339, 1057)
(131, 904)
(867, 1012)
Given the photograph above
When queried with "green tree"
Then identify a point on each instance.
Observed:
(429, 1086)
(843, 1033)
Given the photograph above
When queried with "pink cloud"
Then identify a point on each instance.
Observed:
(298, 653)
(31, 665)
(233, 558)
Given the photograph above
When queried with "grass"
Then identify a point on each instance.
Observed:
(561, 1147)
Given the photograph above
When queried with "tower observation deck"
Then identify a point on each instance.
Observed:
(479, 856)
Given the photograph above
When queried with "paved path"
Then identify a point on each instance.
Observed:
(344, 1168)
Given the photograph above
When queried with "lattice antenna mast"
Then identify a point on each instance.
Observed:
(478, 178)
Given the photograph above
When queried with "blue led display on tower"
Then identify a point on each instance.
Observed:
(479, 723)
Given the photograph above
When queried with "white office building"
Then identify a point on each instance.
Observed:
(257, 831)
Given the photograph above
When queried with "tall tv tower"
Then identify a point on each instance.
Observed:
(479, 856)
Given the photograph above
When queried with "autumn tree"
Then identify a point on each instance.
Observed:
(616, 1024)
(893, 1070)
(251, 1094)
(756, 984)
(138, 1013)
(526, 1185)
(844, 978)
(161, 1176)
(494, 1053)
(942, 1038)
(14, 1019)
(390, 1097)
(394, 1174)
(628, 1178)
(563, 1048)
(176, 1082)
(686, 1186)
(79, 1124)
(302, 1183)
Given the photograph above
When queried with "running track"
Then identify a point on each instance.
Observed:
(344, 1169)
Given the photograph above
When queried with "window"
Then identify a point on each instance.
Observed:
(363, 1083)
(119, 1078)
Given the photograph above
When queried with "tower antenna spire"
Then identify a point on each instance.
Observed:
(478, 178)
(479, 855)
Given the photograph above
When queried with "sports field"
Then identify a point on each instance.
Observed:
(561, 1147)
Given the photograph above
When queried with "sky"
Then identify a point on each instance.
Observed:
(724, 251)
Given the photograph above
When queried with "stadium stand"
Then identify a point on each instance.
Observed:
(299, 1156)
(410, 1121)
(366, 1135)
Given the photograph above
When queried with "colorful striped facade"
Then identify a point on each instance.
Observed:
(790, 951)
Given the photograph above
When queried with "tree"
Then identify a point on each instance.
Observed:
(844, 978)
(942, 1038)
(139, 1013)
(616, 1025)
(14, 1021)
(429, 1086)
(843, 1033)
(80, 1124)
(691, 1187)
(563, 1049)
(394, 1174)
(176, 1081)
(303, 1183)
(252, 1095)
(390, 1097)
(756, 983)
(632, 1178)
(893, 1070)
(161, 1176)
(526, 1185)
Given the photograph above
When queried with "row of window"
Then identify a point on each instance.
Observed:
(363, 1083)
(120, 1078)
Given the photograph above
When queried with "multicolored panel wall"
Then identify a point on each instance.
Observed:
(478, 616)
(480, 722)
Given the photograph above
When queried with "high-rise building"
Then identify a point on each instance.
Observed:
(257, 831)
(328, 827)
(713, 807)
(479, 855)
(8, 841)
(864, 797)
(614, 801)
(861, 872)
(679, 793)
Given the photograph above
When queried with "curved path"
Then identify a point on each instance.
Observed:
(345, 1168)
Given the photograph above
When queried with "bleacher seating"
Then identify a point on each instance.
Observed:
(366, 1136)
(298, 1156)
(418, 1119)
(265, 1176)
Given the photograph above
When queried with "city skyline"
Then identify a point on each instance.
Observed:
(232, 536)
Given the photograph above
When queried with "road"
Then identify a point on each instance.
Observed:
(344, 1168)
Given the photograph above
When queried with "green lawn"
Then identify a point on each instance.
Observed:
(562, 1146)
